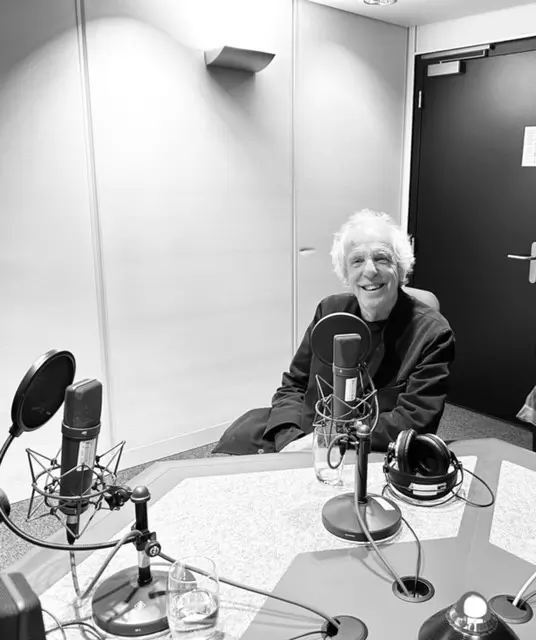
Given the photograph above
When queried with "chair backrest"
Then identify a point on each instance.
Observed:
(423, 296)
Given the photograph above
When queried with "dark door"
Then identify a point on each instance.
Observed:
(471, 204)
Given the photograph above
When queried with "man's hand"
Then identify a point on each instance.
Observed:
(301, 444)
(286, 434)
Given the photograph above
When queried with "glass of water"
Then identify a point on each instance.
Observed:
(193, 599)
(323, 437)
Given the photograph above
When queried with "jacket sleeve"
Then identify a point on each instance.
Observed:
(420, 404)
(287, 402)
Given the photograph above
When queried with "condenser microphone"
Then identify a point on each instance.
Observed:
(80, 429)
(357, 516)
(346, 361)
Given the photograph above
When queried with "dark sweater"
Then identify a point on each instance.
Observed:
(411, 378)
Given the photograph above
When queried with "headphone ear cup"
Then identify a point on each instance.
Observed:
(404, 444)
(430, 455)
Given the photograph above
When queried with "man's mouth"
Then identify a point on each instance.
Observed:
(372, 287)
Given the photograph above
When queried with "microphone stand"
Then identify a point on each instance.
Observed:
(380, 516)
(132, 602)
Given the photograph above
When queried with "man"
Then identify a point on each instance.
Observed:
(412, 346)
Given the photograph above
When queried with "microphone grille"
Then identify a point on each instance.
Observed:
(347, 351)
(83, 403)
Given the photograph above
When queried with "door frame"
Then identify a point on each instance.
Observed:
(421, 62)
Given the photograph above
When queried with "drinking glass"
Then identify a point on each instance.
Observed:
(193, 599)
(323, 436)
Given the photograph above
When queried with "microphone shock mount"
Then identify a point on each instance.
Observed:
(46, 498)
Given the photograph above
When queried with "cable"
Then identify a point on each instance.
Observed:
(72, 622)
(476, 504)
(74, 574)
(338, 439)
(529, 596)
(108, 559)
(414, 501)
(377, 408)
(523, 589)
(87, 626)
(58, 624)
(419, 554)
(75, 623)
(333, 625)
(56, 546)
(455, 492)
(364, 527)
(308, 633)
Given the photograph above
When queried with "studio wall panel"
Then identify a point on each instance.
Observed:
(194, 182)
(47, 282)
(349, 121)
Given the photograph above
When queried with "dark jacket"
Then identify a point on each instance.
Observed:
(411, 379)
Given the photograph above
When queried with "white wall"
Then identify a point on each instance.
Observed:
(350, 93)
(205, 181)
(194, 177)
(47, 285)
(495, 26)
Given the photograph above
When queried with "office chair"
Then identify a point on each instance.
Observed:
(423, 296)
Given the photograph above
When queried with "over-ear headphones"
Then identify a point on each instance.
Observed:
(420, 466)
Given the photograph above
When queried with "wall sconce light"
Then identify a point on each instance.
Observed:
(239, 59)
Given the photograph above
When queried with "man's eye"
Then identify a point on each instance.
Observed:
(357, 261)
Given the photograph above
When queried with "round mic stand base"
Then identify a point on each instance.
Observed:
(381, 515)
(350, 628)
(122, 607)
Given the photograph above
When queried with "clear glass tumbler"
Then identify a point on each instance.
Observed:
(323, 437)
(193, 599)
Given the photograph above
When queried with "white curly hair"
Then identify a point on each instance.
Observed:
(365, 219)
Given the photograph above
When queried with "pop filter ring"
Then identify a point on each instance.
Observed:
(64, 370)
(334, 324)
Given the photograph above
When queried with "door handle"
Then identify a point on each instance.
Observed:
(531, 259)
(521, 257)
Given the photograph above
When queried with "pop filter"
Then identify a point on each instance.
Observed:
(42, 391)
(334, 324)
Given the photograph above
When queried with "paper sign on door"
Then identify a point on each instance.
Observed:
(529, 148)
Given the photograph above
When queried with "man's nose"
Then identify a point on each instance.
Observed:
(369, 266)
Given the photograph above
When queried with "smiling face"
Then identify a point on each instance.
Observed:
(372, 272)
